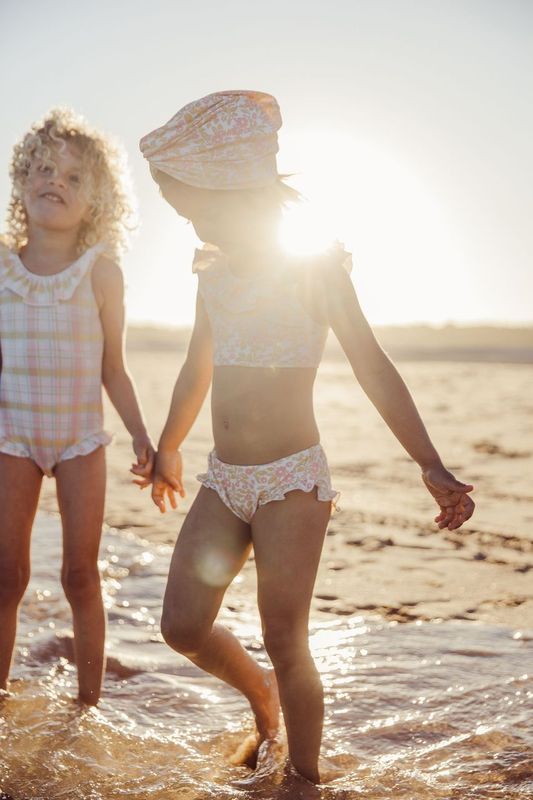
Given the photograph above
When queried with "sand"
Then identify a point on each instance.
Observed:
(383, 553)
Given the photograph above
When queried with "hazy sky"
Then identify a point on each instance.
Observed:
(408, 121)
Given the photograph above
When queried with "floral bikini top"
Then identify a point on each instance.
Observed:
(261, 321)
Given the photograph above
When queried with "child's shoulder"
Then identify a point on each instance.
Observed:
(106, 272)
(334, 259)
(106, 265)
(331, 266)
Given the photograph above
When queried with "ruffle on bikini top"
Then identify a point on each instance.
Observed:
(44, 290)
(336, 255)
(279, 286)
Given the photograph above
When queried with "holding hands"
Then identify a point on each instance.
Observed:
(144, 466)
(167, 479)
(163, 470)
(456, 506)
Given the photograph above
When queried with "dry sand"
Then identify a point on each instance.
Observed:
(383, 553)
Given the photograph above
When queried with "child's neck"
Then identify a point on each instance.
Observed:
(251, 246)
(48, 252)
(252, 260)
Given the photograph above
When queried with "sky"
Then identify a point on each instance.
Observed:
(406, 123)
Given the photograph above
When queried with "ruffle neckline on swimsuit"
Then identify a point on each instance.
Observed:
(244, 294)
(210, 256)
(44, 290)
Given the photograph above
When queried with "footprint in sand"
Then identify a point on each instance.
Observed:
(340, 608)
(493, 449)
(336, 565)
(371, 543)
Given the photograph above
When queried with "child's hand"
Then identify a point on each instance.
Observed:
(167, 478)
(456, 506)
(145, 452)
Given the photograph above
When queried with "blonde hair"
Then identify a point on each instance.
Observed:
(105, 181)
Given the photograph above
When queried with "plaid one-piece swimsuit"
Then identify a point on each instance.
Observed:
(51, 344)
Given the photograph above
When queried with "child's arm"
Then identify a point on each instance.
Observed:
(385, 388)
(108, 287)
(189, 393)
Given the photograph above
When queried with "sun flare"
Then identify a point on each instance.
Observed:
(381, 208)
(305, 230)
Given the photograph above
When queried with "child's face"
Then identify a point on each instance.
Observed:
(222, 217)
(53, 196)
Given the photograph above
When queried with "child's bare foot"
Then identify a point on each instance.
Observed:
(268, 761)
(267, 710)
(298, 786)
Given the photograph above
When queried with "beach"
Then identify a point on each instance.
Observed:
(423, 638)
(383, 552)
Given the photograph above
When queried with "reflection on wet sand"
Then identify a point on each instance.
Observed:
(426, 710)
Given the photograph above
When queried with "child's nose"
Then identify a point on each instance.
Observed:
(57, 180)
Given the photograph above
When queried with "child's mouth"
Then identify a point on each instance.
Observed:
(54, 198)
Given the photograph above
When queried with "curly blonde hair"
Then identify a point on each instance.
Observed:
(105, 181)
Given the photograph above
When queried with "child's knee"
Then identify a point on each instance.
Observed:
(182, 634)
(14, 579)
(285, 642)
(80, 584)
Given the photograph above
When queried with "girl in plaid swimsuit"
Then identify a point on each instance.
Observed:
(61, 331)
(261, 324)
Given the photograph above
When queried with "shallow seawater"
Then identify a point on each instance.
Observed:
(433, 710)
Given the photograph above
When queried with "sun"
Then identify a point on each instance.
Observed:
(379, 206)
(305, 229)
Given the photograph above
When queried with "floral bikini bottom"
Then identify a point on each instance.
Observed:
(244, 488)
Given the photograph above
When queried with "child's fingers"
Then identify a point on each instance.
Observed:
(467, 509)
(142, 456)
(160, 503)
(163, 487)
(445, 516)
(453, 485)
(176, 485)
(158, 495)
(172, 498)
(142, 483)
(142, 470)
(462, 512)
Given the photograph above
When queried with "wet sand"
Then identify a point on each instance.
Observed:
(432, 710)
(426, 711)
(383, 554)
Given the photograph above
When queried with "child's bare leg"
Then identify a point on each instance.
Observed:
(81, 494)
(212, 547)
(288, 538)
(20, 484)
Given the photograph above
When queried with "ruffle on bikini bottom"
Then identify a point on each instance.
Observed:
(87, 445)
(13, 448)
(243, 489)
(81, 448)
(325, 492)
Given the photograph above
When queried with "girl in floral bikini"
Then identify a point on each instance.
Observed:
(261, 325)
(61, 337)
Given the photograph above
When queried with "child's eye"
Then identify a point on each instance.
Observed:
(75, 180)
(46, 169)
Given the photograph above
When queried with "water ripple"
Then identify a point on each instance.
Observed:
(432, 710)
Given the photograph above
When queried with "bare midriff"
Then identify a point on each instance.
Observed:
(261, 414)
